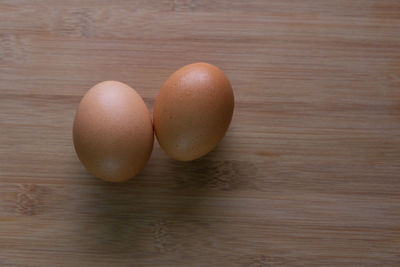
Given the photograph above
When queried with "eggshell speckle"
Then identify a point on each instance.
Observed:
(113, 132)
(193, 110)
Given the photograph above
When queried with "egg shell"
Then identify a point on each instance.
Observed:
(112, 132)
(193, 110)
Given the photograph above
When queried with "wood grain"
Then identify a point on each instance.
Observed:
(308, 173)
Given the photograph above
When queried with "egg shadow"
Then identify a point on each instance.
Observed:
(127, 218)
(197, 184)
(121, 218)
(109, 224)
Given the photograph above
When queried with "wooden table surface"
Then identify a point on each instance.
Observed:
(308, 173)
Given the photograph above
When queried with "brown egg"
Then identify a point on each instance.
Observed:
(193, 110)
(112, 132)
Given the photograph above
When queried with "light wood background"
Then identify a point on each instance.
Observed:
(308, 173)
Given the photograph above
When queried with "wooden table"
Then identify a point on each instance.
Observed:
(308, 173)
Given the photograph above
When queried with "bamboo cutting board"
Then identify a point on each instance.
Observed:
(308, 173)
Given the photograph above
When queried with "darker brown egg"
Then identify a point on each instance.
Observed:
(193, 110)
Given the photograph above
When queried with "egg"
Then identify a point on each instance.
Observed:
(113, 132)
(193, 110)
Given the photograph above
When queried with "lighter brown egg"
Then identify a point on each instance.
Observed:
(193, 110)
(112, 131)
